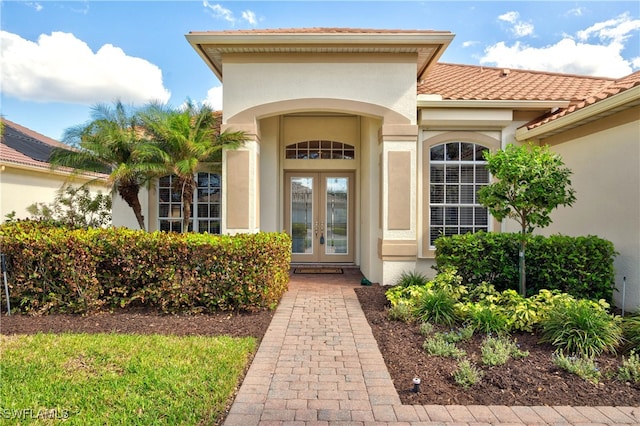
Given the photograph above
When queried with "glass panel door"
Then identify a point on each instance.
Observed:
(302, 217)
(319, 216)
(336, 198)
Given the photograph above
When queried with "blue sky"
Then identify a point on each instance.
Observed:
(60, 58)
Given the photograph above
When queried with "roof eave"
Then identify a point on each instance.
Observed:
(436, 40)
(431, 101)
(605, 107)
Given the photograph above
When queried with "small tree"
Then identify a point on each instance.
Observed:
(532, 181)
(75, 208)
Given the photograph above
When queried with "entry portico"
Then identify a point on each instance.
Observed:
(333, 139)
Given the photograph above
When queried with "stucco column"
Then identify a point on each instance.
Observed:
(241, 183)
(397, 246)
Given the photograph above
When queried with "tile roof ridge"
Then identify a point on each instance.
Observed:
(322, 30)
(523, 70)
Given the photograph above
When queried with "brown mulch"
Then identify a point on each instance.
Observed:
(529, 381)
(533, 380)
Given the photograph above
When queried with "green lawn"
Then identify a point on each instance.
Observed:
(118, 379)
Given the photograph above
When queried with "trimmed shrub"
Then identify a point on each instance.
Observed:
(78, 271)
(580, 266)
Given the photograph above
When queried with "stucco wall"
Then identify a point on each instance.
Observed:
(606, 177)
(123, 214)
(20, 188)
(320, 76)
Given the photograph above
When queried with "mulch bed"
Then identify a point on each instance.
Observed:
(529, 381)
(533, 380)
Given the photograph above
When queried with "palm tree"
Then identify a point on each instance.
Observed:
(111, 142)
(186, 137)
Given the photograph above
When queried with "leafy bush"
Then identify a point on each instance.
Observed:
(438, 346)
(629, 371)
(498, 350)
(437, 306)
(486, 318)
(467, 375)
(580, 266)
(74, 208)
(78, 271)
(413, 278)
(425, 328)
(581, 327)
(400, 312)
(460, 335)
(407, 295)
(631, 332)
(582, 366)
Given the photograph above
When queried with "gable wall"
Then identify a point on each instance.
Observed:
(251, 81)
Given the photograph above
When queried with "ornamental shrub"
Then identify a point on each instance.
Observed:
(580, 266)
(78, 271)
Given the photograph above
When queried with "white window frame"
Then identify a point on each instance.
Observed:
(474, 184)
(174, 206)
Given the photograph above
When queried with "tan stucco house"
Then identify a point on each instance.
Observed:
(364, 148)
(26, 176)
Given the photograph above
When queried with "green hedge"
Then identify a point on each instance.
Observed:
(580, 266)
(78, 271)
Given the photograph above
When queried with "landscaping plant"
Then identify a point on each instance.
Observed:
(582, 366)
(531, 182)
(581, 327)
(629, 371)
(498, 350)
(467, 374)
(631, 332)
(438, 346)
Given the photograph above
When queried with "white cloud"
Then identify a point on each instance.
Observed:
(519, 28)
(61, 68)
(578, 11)
(470, 43)
(221, 12)
(214, 98)
(596, 51)
(250, 17)
(37, 6)
(566, 56)
(510, 17)
(522, 29)
(617, 29)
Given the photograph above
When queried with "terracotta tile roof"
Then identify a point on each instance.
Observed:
(470, 82)
(15, 138)
(319, 30)
(20, 145)
(614, 88)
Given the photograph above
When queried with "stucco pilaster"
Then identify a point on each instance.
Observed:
(241, 184)
(398, 192)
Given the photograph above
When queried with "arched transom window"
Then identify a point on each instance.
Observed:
(320, 150)
(457, 171)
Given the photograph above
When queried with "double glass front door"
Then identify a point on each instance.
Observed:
(319, 216)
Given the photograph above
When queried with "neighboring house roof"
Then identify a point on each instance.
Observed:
(22, 146)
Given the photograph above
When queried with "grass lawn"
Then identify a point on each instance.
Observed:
(118, 379)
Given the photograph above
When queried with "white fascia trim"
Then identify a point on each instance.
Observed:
(592, 110)
(431, 101)
(408, 38)
(56, 172)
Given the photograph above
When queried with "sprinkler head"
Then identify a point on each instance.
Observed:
(416, 385)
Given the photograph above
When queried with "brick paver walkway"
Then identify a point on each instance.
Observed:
(319, 364)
